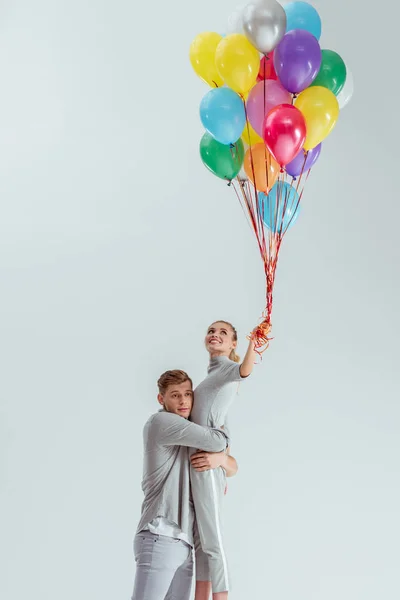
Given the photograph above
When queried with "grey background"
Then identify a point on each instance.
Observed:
(117, 248)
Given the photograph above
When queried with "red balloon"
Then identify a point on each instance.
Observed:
(284, 132)
(267, 69)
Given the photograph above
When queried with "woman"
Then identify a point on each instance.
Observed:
(212, 399)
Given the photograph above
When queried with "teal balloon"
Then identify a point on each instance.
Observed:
(223, 115)
(280, 208)
(301, 15)
(222, 160)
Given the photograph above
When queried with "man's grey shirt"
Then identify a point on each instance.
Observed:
(166, 480)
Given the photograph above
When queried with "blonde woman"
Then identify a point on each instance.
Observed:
(212, 399)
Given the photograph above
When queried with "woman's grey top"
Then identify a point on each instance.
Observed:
(215, 394)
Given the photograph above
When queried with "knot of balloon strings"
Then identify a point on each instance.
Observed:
(260, 336)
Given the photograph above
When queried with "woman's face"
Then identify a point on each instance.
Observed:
(219, 339)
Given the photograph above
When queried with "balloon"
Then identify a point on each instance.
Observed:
(267, 69)
(263, 97)
(224, 161)
(202, 57)
(237, 62)
(280, 209)
(235, 21)
(264, 24)
(297, 60)
(345, 95)
(260, 167)
(250, 137)
(242, 175)
(222, 114)
(332, 74)
(284, 132)
(320, 109)
(301, 15)
(303, 161)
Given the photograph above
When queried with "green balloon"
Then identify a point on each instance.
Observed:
(332, 74)
(224, 161)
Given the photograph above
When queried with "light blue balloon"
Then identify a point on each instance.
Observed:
(223, 115)
(301, 15)
(280, 209)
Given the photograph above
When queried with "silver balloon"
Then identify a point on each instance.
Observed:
(347, 91)
(264, 24)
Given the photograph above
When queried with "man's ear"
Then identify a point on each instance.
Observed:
(160, 399)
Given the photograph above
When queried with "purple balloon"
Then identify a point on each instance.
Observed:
(297, 60)
(297, 165)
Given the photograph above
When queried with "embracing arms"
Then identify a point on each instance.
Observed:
(204, 461)
(169, 429)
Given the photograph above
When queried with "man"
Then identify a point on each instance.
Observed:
(164, 540)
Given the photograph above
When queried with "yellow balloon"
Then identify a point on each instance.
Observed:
(249, 136)
(320, 109)
(202, 57)
(238, 62)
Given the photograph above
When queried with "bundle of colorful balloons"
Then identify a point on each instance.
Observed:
(276, 94)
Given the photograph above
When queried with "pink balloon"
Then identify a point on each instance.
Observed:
(284, 133)
(264, 96)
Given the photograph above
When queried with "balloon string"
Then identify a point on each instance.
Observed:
(269, 239)
(269, 254)
(253, 213)
(242, 188)
(260, 337)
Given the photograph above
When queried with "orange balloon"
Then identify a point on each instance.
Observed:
(261, 167)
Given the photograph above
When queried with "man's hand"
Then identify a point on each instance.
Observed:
(205, 461)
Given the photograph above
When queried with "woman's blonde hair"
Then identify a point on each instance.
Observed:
(233, 356)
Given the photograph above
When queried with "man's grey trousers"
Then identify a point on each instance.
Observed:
(164, 568)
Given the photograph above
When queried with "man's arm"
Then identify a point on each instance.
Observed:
(172, 430)
(205, 461)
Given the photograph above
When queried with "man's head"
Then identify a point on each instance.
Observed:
(176, 392)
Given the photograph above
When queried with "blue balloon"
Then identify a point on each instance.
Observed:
(280, 209)
(223, 115)
(301, 15)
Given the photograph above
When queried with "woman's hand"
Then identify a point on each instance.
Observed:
(246, 368)
(205, 461)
